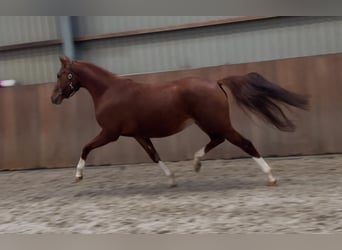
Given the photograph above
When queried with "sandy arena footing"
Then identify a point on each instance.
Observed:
(227, 196)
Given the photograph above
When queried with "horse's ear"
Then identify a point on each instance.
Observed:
(64, 60)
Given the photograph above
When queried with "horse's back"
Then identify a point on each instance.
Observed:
(190, 96)
(163, 109)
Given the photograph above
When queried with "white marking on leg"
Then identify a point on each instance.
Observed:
(197, 157)
(200, 153)
(165, 168)
(79, 168)
(168, 173)
(265, 168)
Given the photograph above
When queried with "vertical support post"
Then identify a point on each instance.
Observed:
(67, 36)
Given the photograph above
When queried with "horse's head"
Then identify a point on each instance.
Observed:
(67, 83)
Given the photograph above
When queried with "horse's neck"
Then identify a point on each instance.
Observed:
(95, 80)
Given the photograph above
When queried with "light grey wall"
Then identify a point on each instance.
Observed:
(22, 29)
(251, 41)
(222, 44)
(30, 66)
(92, 25)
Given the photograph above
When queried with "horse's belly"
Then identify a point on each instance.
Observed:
(160, 128)
(170, 129)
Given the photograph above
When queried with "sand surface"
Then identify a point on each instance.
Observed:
(227, 196)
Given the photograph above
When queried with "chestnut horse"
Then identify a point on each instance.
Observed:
(143, 111)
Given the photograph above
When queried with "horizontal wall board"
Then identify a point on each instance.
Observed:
(35, 133)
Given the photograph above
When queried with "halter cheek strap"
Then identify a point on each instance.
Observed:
(70, 83)
(70, 74)
(71, 86)
(70, 80)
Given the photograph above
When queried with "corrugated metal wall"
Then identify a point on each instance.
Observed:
(31, 66)
(34, 65)
(222, 44)
(22, 29)
(251, 41)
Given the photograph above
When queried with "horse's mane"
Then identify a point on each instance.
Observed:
(98, 68)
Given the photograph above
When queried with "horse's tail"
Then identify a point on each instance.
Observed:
(254, 93)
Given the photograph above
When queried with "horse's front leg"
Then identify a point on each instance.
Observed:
(101, 139)
(151, 151)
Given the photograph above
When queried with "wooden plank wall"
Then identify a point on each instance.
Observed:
(36, 134)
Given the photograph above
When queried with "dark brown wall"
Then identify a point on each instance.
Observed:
(35, 133)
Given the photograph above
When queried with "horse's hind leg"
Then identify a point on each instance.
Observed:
(151, 151)
(214, 141)
(234, 137)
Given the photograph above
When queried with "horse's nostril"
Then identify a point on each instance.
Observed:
(52, 99)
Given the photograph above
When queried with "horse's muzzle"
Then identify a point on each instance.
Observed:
(56, 99)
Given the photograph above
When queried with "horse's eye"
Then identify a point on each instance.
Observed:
(58, 75)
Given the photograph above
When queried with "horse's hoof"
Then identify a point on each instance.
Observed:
(172, 185)
(197, 166)
(272, 183)
(172, 181)
(78, 178)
